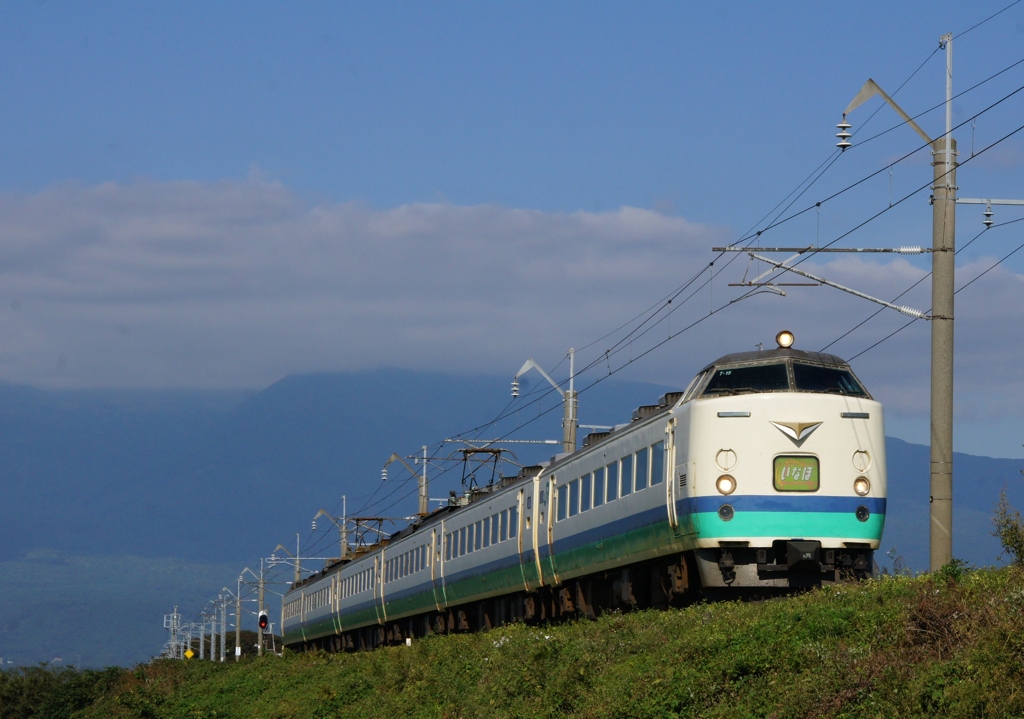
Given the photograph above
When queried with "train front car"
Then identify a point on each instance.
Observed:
(784, 484)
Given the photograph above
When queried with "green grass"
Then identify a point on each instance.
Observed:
(950, 644)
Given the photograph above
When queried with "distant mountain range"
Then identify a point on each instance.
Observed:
(95, 483)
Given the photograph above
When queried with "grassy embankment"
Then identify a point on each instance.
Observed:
(949, 644)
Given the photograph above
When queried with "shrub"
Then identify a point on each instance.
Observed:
(1009, 529)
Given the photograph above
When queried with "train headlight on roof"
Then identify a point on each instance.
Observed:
(861, 486)
(726, 484)
(785, 339)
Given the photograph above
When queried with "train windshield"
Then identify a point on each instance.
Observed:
(815, 378)
(752, 378)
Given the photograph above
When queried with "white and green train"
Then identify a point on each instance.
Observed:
(767, 473)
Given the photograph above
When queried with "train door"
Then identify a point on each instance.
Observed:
(436, 566)
(548, 574)
(335, 605)
(378, 588)
(529, 554)
(671, 491)
(684, 478)
(440, 591)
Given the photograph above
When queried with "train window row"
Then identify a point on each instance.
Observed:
(415, 560)
(357, 583)
(633, 473)
(481, 534)
(308, 602)
(291, 609)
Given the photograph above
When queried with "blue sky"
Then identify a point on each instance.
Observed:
(199, 194)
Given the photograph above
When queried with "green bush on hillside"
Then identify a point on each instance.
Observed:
(1009, 529)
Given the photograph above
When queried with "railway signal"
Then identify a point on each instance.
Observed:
(264, 622)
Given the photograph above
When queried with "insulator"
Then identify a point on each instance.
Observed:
(384, 474)
(515, 388)
(908, 250)
(314, 525)
(910, 312)
(988, 216)
(844, 135)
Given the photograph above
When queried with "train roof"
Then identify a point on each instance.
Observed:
(788, 353)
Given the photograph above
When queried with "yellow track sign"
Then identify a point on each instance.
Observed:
(189, 653)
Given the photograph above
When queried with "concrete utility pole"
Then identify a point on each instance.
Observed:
(259, 612)
(421, 478)
(943, 263)
(571, 405)
(223, 627)
(238, 620)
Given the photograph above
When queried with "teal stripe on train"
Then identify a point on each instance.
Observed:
(786, 525)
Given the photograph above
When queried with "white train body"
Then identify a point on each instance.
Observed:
(768, 472)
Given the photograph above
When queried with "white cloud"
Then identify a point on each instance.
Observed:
(240, 283)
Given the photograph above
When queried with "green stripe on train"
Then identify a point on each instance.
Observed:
(634, 545)
(783, 525)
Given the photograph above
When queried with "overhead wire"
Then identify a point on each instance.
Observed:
(666, 302)
(654, 310)
(955, 292)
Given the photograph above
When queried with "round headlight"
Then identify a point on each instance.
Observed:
(726, 512)
(861, 486)
(785, 339)
(726, 484)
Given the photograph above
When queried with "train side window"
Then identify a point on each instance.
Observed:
(627, 476)
(504, 526)
(599, 487)
(469, 539)
(447, 546)
(494, 529)
(586, 490)
(476, 537)
(658, 463)
(487, 531)
(529, 502)
(642, 468)
(513, 520)
(563, 502)
(462, 542)
(613, 481)
(574, 498)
